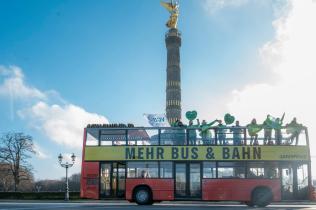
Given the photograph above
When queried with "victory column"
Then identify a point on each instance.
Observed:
(173, 43)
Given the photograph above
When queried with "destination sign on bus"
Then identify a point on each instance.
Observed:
(94, 153)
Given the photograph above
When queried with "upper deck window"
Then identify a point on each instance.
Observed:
(112, 137)
(173, 137)
(92, 137)
(143, 137)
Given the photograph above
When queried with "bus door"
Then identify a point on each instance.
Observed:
(187, 180)
(112, 180)
(294, 181)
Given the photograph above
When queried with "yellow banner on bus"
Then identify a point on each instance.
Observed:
(116, 153)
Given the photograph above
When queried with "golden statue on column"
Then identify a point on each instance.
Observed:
(173, 8)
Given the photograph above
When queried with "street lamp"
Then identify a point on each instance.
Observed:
(67, 165)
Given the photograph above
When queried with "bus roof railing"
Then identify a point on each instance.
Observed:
(174, 128)
(218, 134)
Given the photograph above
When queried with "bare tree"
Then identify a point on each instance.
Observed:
(15, 150)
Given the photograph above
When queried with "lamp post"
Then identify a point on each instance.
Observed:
(66, 165)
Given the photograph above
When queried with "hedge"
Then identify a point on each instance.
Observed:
(39, 195)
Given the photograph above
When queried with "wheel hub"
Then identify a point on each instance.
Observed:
(142, 195)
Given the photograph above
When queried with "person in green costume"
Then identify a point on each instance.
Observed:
(192, 131)
(237, 132)
(277, 130)
(221, 133)
(177, 123)
(205, 132)
(179, 135)
(253, 130)
(267, 130)
(294, 129)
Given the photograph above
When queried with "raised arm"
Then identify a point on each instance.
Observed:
(212, 123)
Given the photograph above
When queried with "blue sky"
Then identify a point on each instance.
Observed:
(85, 50)
(107, 60)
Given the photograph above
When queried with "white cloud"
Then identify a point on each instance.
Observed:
(61, 122)
(213, 6)
(14, 86)
(290, 56)
(40, 152)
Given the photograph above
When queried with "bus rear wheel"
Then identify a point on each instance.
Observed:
(143, 196)
(261, 197)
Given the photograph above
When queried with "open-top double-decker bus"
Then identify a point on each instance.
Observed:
(145, 165)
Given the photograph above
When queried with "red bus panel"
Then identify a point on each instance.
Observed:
(162, 189)
(89, 182)
(237, 189)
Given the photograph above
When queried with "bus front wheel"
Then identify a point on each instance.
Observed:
(249, 203)
(143, 196)
(261, 197)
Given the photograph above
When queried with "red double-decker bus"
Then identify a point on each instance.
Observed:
(146, 165)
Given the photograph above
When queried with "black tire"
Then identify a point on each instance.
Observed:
(249, 203)
(143, 196)
(261, 197)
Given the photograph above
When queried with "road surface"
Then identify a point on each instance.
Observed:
(130, 206)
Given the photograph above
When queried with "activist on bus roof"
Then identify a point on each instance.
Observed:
(216, 132)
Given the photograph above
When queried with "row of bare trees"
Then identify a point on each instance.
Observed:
(58, 185)
(16, 149)
(29, 185)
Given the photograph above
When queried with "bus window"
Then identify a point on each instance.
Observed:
(302, 138)
(255, 170)
(142, 169)
(114, 137)
(153, 137)
(92, 137)
(105, 174)
(173, 137)
(192, 135)
(271, 170)
(231, 170)
(226, 136)
(302, 181)
(206, 137)
(209, 170)
(138, 137)
(165, 169)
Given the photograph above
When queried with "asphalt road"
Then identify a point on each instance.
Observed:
(129, 206)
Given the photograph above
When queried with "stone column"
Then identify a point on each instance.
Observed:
(173, 89)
